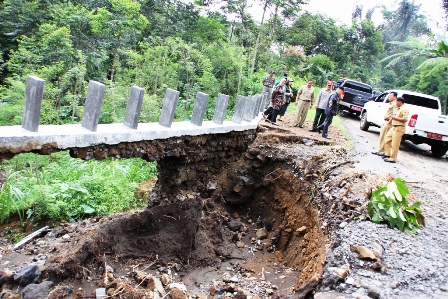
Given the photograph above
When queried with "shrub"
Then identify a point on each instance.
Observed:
(388, 204)
(59, 187)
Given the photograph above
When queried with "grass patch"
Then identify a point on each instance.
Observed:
(59, 187)
(337, 122)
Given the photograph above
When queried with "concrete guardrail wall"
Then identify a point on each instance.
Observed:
(30, 136)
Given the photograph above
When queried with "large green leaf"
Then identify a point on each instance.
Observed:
(401, 186)
(377, 218)
(400, 224)
(401, 215)
(392, 212)
(88, 209)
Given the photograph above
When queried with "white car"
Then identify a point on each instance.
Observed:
(427, 106)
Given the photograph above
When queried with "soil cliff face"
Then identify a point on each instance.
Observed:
(210, 191)
(263, 204)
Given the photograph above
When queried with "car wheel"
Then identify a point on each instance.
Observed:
(438, 150)
(364, 124)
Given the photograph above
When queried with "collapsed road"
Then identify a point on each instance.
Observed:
(284, 220)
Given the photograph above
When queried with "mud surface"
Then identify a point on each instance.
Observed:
(282, 221)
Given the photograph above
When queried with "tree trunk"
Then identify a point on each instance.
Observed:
(166, 4)
(58, 101)
(240, 75)
(114, 59)
(446, 105)
(258, 38)
(274, 20)
(75, 100)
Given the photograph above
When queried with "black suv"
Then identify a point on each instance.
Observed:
(354, 96)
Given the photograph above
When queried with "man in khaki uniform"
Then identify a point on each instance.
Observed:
(268, 84)
(386, 125)
(393, 138)
(305, 96)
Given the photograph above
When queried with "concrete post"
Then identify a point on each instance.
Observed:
(267, 101)
(258, 99)
(134, 107)
(169, 107)
(254, 108)
(264, 96)
(200, 105)
(249, 106)
(34, 92)
(239, 109)
(92, 107)
(220, 108)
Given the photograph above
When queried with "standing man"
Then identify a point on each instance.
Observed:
(330, 111)
(386, 125)
(393, 137)
(321, 104)
(306, 97)
(268, 84)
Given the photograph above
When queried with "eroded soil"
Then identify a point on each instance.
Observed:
(271, 230)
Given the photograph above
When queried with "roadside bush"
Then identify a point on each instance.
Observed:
(62, 188)
(388, 204)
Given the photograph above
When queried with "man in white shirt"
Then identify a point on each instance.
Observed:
(321, 104)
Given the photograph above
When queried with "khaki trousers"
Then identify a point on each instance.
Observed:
(268, 99)
(393, 140)
(384, 130)
(302, 111)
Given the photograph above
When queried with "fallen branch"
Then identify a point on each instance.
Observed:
(337, 165)
(167, 216)
(30, 237)
(85, 269)
(270, 174)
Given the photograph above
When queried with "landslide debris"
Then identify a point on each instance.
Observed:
(265, 230)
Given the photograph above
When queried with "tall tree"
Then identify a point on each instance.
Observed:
(316, 33)
(429, 59)
(289, 10)
(404, 22)
(120, 24)
(17, 18)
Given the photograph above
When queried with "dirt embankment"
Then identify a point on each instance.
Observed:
(262, 228)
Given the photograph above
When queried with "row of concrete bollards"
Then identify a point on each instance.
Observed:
(246, 108)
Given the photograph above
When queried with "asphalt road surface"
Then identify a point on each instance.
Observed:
(414, 162)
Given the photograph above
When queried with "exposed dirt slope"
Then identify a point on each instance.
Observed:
(267, 225)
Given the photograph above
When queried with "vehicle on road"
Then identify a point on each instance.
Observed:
(354, 96)
(426, 124)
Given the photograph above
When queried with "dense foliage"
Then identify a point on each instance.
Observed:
(169, 43)
(59, 187)
(156, 44)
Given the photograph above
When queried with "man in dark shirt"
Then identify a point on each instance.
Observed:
(330, 111)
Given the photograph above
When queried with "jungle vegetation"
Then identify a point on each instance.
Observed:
(156, 44)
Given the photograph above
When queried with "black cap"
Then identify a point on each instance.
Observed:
(401, 99)
(271, 72)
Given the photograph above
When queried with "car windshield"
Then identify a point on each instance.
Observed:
(420, 101)
(358, 86)
(382, 97)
